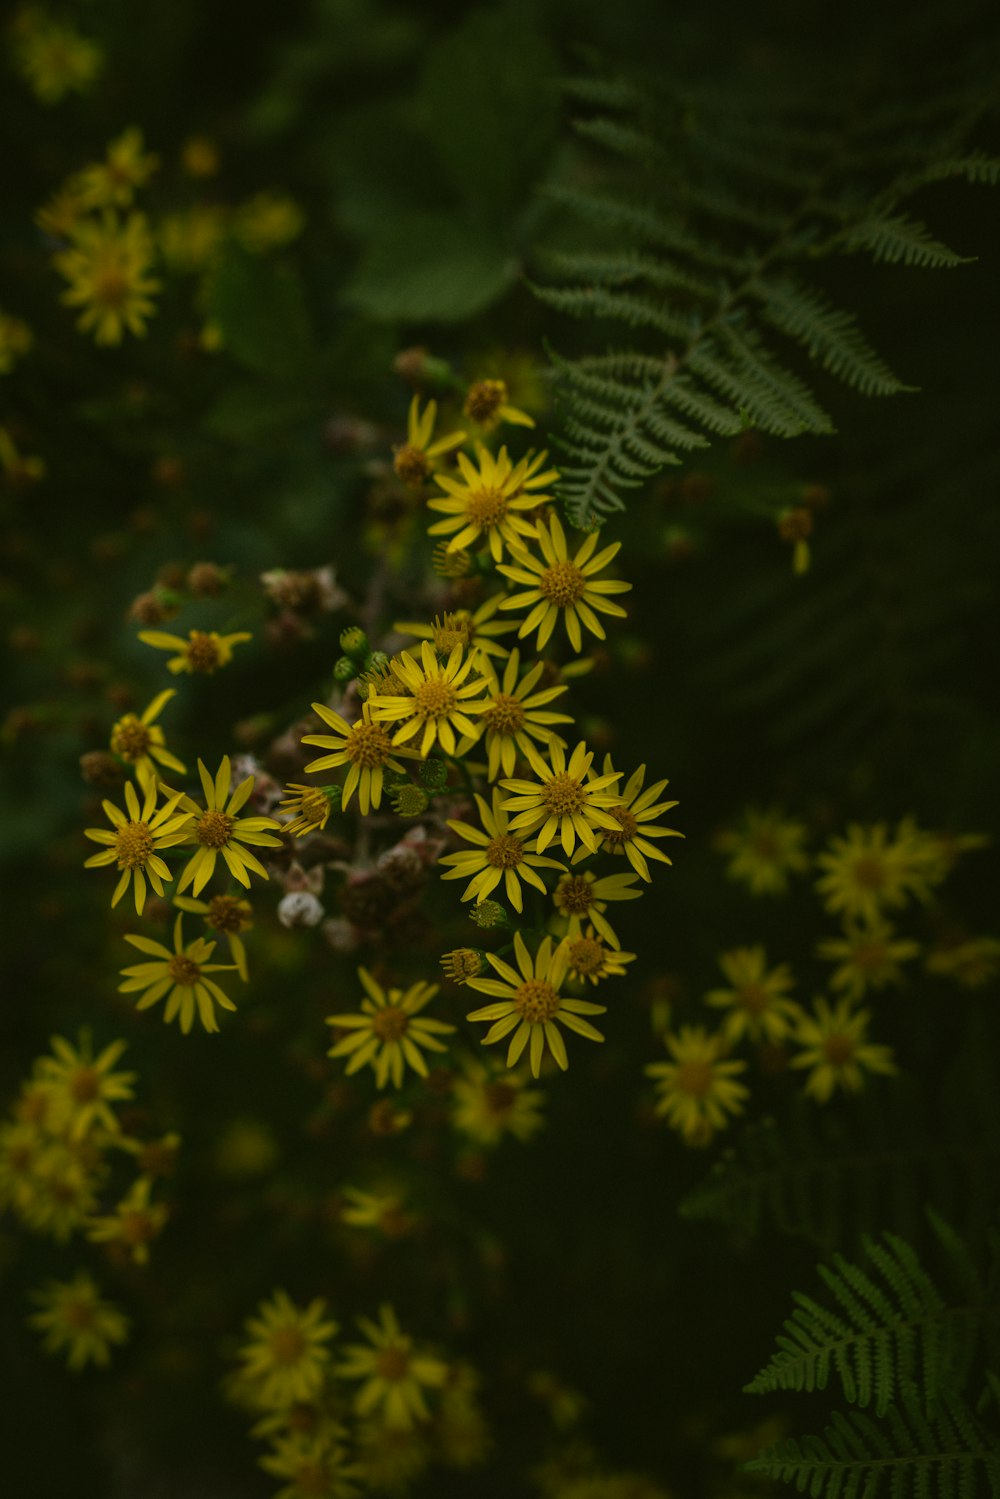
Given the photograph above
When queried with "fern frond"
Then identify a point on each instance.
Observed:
(895, 238)
(829, 335)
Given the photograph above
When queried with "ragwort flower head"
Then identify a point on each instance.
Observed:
(364, 746)
(390, 1033)
(440, 699)
(529, 1003)
(204, 651)
(75, 1319)
(133, 1224)
(634, 811)
(217, 829)
(416, 459)
(112, 182)
(566, 802)
(135, 843)
(764, 848)
(108, 266)
(756, 1003)
(866, 871)
(315, 1465)
(697, 1089)
(138, 740)
(515, 714)
(557, 583)
(491, 501)
(285, 1356)
(181, 976)
(489, 1103)
(868, 955)
(395, 1374)
(81, 1089)
(53, 57)
(499, 855)
(473, 629)
(487, 405)
(837, 1051)
(588, 958)
(580, 897)
(309, 807)
(227, 914)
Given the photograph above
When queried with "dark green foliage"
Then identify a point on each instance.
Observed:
(700, 229)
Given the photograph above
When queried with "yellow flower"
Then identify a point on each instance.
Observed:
(462, 964)
(529, 1004)
(309, 807)
(414, 460)
(588, 958)
(486, 404)
(139, 742)
(488, 1103)
(63, 1189)
(63, 211)
(315, 1465)
(473, 630)
(869, 956)
(698, 1088)
(134, 1222)
(499, 855)
(217, 830)
(634, 811)
(16, 339)
(53, 57)
(583, 896)
(21, 1145)
(364, 746)
(285, 1356)
(182, 972)
(82, 1088)
(764, 849)
(490, 501)
(836, 1049)
(514, 711)
(112, 182)
(268, 221)
(389, 1031)
(395, 1374)
(19, 471)
(439, 698)
(203, 651)
(568, 804)
(76, 1319)
(228, 914)
(134, 845)
(972, 963)
(866, 870)
(756, 1002)
(191, 239)
(381, 1210)
(107, 266)
(558, 583)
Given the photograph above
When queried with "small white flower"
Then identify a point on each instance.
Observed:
(300, 908)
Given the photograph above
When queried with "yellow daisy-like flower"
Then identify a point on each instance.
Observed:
(972, 963)
(588, 958)
(836, 1049)
(584, 897)
(473, 630)
(16, 338)
(698, 1088)
(389, 1032)
(529, 1004)
(414, 459)
(557, 583)
(82, 1088)
(217, 830)
(634, 812)
(515, 714)
(112, 183)
(568, 804)
(315, 1465)
(203, 651)
(309, 807)
(869, 957)
(499, 855)
(764, 848)
(53, 57)
(394, 1372)
(381, 1210)
(489, 1103)
(75, 1319)
(267, 221)
(867, 870)
(486, 404)
(107, 266)
(490, 501)
(139, 742)
(285, 1356)
(227, 914)
(63, 1190)
(756, 1002)
(135, 843)
(365, 746)
(133, 1224)
(182, 973)
(439, 699)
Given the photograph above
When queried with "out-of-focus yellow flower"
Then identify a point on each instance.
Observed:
(134, 1223)
(380, 1210)
(489, 1103)
(75, 1319)
(107, 266)
(18, 471)
(836, 1049)
(16, 338)
(556, 583)
(204, 651)
(763, 849)
(390, 1031)
(756, 1003)
(487, 405)
(112, 183)
(82, 1088)
(395, 1374)
(139, 742)
(200, 156)
(268, 221)
(315, 1465)
(191, 238)
(137, 839)
(972, 963)
(697, 1090)
(867, 870)
(285, 1356)
(869, 957)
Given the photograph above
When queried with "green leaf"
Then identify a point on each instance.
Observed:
(260, 309)
(430, 268)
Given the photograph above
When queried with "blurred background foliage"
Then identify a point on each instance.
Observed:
(417, 141)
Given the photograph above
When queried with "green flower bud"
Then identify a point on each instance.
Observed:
(434, 773)
(410, 800)
(344, 669)
(354, 642)
(489, 913)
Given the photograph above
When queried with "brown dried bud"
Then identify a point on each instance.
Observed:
(100, 768)
(207, 580)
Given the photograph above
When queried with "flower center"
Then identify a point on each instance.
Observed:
(839, 1050)
(869, 872)
(626, 822)
(130, 738)
(78, 1314)
(85, 1084)
(111, 286)
(390, 1023)
(869, 955)
(754, 997)
(133, 845)
(536, 1001)
(505, 851)
(435, 698)
(574, 895)
(214, 829)
(225, 913)
(287, 1345)
(499, 1098)
(486, 506)
(411, 464)
(369, 745)
(765, 846)
(202, 651)
(586, 955)
(393, 1364)
(137, 1228)
(505, 715)
(454, 629)
(485, 399)
(563, 583)
(184, 970)
(564, 795)
(694, 1078)
(314, 805)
